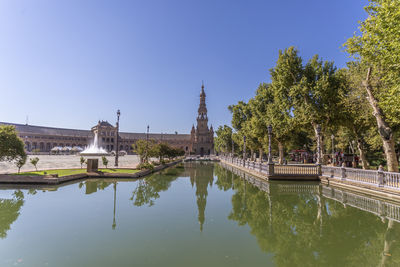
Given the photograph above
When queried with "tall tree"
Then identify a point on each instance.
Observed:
(241, 116)
(354, 106)
(223, 140)
(11, 146)
(316, 97)
(378, 46)
(259, 122)
(284, 76)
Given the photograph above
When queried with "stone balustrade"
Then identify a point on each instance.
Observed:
(300, 170)
(371, 177)
(377, 178)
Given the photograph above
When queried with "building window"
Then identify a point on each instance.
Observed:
(112, 140)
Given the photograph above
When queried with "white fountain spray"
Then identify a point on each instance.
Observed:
(94, 149)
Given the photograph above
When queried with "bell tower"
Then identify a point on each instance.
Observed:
(202, 136)
(202, 119)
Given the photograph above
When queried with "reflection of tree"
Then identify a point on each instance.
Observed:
(148, 189)
(309, 230)
(225, 178)
(9, 211)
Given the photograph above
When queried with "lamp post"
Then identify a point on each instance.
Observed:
(117, 148)
(333, 149)
(244, 150)
(269, 144)
(147, 142)
(318, 144)
(232, 145)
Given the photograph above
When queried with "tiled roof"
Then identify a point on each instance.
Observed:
(42, 130)
(32, 129)
(155, 136)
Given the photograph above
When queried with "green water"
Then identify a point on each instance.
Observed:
(195, 215)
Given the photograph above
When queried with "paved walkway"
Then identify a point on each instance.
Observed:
(47, 162)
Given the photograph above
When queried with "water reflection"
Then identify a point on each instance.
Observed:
(9, 211)
(148, 190)
(294, 223)
(315, 225)
(201, 178)
(91, 186)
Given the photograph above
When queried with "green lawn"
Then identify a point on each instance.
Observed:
(65, 172)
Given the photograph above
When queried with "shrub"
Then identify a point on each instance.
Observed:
(145, 166)
(20, 162)
(105, 161)
(83, 161)
(34, 161)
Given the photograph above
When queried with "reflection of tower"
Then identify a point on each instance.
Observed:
(202, 178)
(115, 200)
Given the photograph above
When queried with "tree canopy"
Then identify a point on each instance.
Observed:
(11, 146)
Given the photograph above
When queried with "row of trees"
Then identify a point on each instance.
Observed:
(151, 149)
(358, 104)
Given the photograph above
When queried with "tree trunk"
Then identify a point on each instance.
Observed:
(261, 154)
(314, 125)
(252, 154)
(385, 131)
(363, 157)
(281, 152)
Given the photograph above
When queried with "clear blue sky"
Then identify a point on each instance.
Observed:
(69, 63)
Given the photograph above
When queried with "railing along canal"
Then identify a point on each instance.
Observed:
(378, 178)
(272, 169)
(376, 206)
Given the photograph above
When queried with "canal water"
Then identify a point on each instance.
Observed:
(196, 214)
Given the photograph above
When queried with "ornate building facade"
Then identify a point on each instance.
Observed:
(43, 139)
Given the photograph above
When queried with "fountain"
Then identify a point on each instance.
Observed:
(94, 149)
